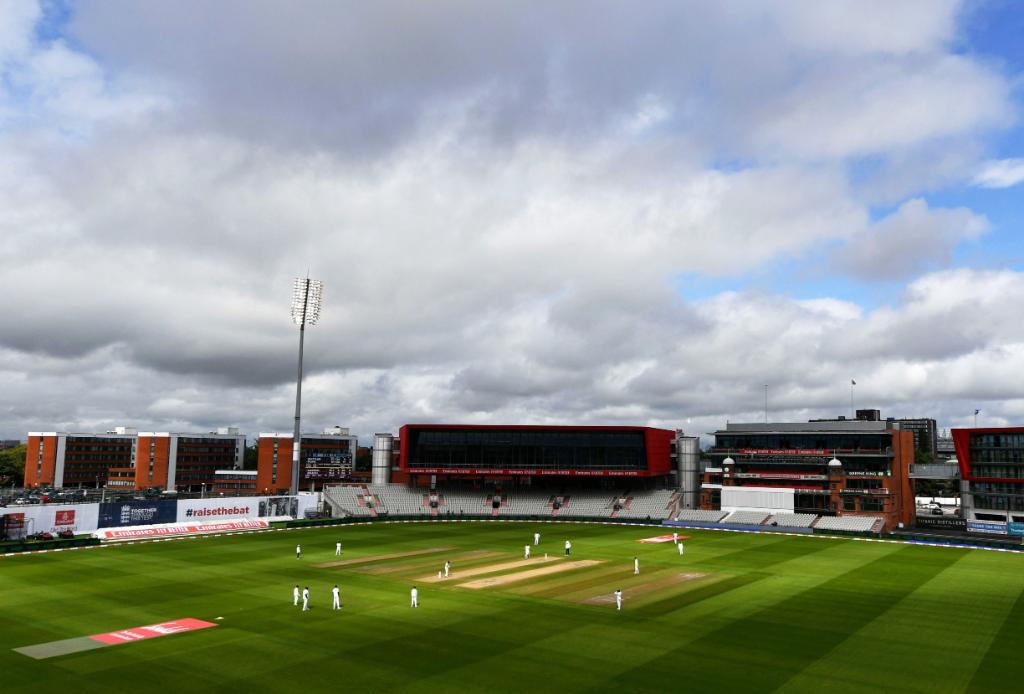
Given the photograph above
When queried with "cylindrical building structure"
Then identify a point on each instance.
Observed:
(380, 472)
(688, 467)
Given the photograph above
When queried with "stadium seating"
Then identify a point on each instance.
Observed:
(462, 503)
(746, 517)
(398, 500)
(793, 520)
(699, 516)
(401, 501)
(587, 505)
(347, 501)
(649, 504)
(848, 523)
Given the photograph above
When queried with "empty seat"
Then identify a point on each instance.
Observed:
(746, 517)
(700, 516)
(848, 523)
(793, 520)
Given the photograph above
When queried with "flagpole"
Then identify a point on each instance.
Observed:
(852, 384)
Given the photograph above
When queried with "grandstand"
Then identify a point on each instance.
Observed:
(348, 501)
(396, 500)
(658, 504)
(400, 501)
(851, 523)
(700, 516)
(593, 505)
(746, 518)
(793, 520)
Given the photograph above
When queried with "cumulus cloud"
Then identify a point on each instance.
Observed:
(807, 78)
(912, 239)
(1001, 173)
(499, 200)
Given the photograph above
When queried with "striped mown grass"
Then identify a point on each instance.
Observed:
(771, 613)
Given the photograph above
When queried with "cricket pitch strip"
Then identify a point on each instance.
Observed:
(486, 569)
(531, 573)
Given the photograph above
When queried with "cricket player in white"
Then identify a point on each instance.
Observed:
(636, 566)
(536, 539)
(337, 597)
(568, 547)
(415, 595)
(618, 598)
(675, 537)
(680, 545)
(298, 551)
(447, 568)
(295, 596)
(337, 549)
(305, 599)
(526, 551)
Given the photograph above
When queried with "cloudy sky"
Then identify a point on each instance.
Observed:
(522, 212)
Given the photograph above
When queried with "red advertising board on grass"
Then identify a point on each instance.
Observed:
(152, 631)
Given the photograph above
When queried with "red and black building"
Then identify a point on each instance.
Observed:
(991, 463)
(528, 454)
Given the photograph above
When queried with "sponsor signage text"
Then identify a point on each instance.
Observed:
(941, 523)
(181, 529)
(991, 527)
(779, 476)
(136, 512)
(784, 451)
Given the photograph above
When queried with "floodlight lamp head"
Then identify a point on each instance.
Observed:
(306, 300)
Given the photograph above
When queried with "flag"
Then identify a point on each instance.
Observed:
(853, 382)
(976, 412)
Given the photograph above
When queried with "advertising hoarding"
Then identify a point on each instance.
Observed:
(51, 518)
(137, 512)
(230, 508)
(943, 523)
(990, 527)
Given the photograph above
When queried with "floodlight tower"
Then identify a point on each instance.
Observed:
(305, 311)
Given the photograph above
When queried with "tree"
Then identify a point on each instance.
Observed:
(250, 461)
(12, 466)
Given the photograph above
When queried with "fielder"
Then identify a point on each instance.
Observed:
(568, 547)
(447, 568)
(636, 566)
(536, 539)
(295, 596)
(337, 598)
(675, 537)
(337, 549)
(680, 546)
(305, 599)
(298, 551)
(618, 598)
(415, 595)
(526, 551)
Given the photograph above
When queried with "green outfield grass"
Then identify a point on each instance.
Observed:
(739, 612)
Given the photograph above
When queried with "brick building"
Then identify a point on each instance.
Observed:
(325, 458)
(838, 467)
(126, 459)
